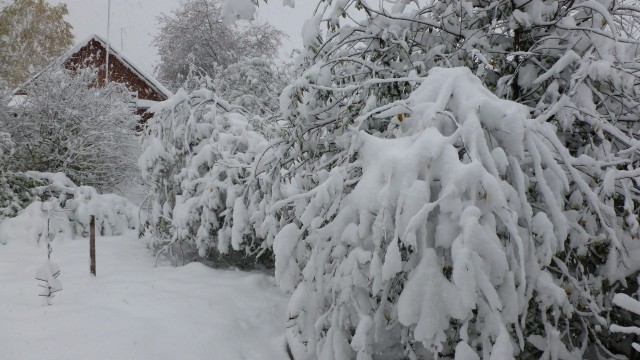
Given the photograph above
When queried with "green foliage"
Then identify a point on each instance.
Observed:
(16, 189)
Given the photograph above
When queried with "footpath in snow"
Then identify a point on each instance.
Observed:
(133, 310)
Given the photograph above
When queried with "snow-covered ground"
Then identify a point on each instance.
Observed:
(133, 310)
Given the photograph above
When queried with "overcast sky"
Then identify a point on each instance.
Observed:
(133, 23)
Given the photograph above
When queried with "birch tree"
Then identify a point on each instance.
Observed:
(32, 34)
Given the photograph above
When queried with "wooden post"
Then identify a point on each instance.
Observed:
(92, 244)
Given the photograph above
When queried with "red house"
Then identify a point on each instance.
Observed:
(145, 89)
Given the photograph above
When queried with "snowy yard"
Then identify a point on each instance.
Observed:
(133, 310)
(424, 179)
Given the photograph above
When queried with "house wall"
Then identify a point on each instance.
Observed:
(94, 54)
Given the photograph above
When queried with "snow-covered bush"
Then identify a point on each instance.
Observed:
(54, 202)
(571, 62)
(37, 224)
(114, 214)
(15, 187)
(66, 124)
(456, 236)
(206, 191)
(9, 202)
(18, 192)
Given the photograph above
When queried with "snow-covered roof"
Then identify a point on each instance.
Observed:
(147, 78)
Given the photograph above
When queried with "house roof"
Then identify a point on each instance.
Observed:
(147, 78)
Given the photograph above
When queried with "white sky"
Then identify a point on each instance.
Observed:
(133, 23)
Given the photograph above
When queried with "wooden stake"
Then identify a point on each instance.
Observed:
(92, 244)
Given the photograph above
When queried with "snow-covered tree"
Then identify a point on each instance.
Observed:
(196, 34)
(370, 238)
(206, 191)
(66, 124)
(254, 84)
(32, 34)
(487, 210)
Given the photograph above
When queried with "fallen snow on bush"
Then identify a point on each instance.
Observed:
(132, 310)
(33, 225)
(66, 210)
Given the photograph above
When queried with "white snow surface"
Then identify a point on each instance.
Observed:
(133, 310)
